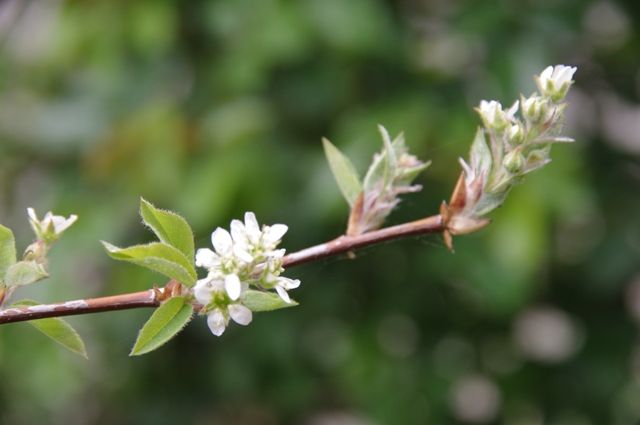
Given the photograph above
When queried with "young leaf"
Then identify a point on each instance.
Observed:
(159, 257)
(382, 169)
(168, 319)
(57, 329)
(24, 273)
(169, 227)
(264, 301)
(7, 250)
(343, 171)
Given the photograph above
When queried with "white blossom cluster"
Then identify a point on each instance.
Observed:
(243, 258)
(508, 146)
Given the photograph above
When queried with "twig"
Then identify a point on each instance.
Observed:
(154, 297)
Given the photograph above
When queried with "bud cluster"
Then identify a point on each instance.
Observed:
(390, 175)
(507, 147)
(243, 258)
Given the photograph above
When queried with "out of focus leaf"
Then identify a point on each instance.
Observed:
(159, 257)
(264, 301)
(24, 273)
(169, 227)
(7, 249)
(165, 323)
(57, 329)
(343, 171)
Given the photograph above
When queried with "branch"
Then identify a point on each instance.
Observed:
(154, 297)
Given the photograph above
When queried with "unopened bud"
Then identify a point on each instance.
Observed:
(516, 134)
(514, 162)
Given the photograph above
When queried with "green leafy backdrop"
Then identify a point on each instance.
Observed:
(213, 108)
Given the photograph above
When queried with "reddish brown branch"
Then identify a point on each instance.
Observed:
(153, 297)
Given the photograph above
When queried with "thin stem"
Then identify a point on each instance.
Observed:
(153, 297)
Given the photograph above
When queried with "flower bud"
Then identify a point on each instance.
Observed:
(514, 162)
(554, 82)
(516, 134)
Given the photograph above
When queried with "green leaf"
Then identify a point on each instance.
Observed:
(264, 301)
(24, 273)
(382, 170)
(57, 329)
(169, 227)
(343, 171)
(7, 250)
(165, 323)
(159, 257)
(480, 154)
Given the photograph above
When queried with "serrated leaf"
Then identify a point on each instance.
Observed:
(57, 329)
(343, 171)
(165, 323)
(7, 250)
(169, 227)
(24, 273)
(159, 257)
(264, 301)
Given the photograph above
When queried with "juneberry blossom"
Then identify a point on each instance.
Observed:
(245, 257)
(554, 81)
(507, 147)
(51, 226)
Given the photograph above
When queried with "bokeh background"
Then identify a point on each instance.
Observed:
(212, 108)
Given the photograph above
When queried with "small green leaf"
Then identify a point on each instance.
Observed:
(168, 319)
(57, 329)
(343, 171)
(480, 154)
(264, 301)
(24, 273)
(7, 250)
(382, 170)
(169, 227)
(159, 257)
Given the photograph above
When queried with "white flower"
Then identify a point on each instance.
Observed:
(218, 318)
(554, 81)
(282, 284)
(51, 226)
(493, 116)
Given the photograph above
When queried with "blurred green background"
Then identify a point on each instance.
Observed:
(213, 108)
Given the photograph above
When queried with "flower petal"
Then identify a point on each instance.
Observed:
(216, 322)
(238, 232)
(252, 227)
(242, 254)
(283, 294)
(221, 241)
(240, 314)
(203, 292)
(276, 232)
(233, 286)
(206, 258)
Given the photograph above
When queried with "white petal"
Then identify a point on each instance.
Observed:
(546, 74)
(232, 286)
(242, 254)
(32, 214)
(289, 283)
(252, 227)
(221, 241)
(238, 232)
(240, 314)
(278, 253)
(203, 292)
(206, 258)
(283, 294)
(216, 322)
(276, 232)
